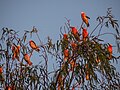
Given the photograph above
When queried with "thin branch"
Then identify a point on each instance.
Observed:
(94, 29)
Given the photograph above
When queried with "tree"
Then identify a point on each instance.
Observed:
(84, 60)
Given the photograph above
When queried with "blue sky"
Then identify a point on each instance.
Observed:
(48, 15)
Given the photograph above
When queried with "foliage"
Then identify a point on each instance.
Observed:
(84, 59)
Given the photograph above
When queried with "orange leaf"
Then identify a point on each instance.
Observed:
(87, 77)
(72, 63)
(98, 60)
(58, 87)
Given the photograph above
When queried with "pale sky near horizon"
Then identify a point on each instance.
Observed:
(48, 15)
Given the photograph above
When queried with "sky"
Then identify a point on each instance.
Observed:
(49, 15)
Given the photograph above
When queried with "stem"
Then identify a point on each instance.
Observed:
(45, 57)
(103, 23)
(39, 39)
(81, 26)
(68, 88)
(95, 29)
(104, 34)
(7, 64)
(100, 28)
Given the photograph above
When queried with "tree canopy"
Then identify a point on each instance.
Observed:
(83, 59)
